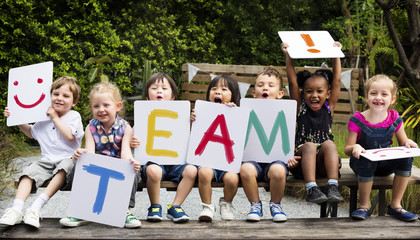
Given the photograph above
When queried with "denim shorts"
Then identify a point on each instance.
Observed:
(43, 170)
(218, 175)
(169, 172)
(366, 169)
(262, 169)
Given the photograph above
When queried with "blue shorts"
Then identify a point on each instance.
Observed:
(218, 174)
(366, 169)
(169, 172)
(262, 169)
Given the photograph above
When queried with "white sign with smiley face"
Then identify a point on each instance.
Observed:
(28, 96)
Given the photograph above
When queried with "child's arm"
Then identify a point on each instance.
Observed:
(126, 150)
(26, 128)
(60, 125)
(291, 76)
(352, 148)
(89, 145)
(403, 140)
(134, 142)
(335, 85)
(294, 162)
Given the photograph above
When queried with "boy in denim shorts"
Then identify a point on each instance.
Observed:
(58, 138)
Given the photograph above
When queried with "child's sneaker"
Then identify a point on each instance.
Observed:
(277, 212)
(155, 213)
(332, 193)
(11, 217)
(226, 209)
(207, 213)
(31, 217)
(131, 221)
(315, 195)
(401, 214)
(72, 222)
(255, 213)
(177, 214)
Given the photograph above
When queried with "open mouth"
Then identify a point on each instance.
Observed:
(265, 95)
(315, 104)
(217, 100)
(378, 103)
(159, 97)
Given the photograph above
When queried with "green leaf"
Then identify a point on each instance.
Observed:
(92, 74)
(104, 78)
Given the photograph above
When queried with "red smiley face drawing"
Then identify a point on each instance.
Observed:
(22, 105)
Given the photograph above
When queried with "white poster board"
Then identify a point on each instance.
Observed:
(28, 96)
(381, 154)
(101, 189)
(310, 44)
(271, 130)
(218, 136)
(163, 129)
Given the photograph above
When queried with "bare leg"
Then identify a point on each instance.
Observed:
(248, 175)
(24, 188)
(398, 188)
(56, 183)
(231, 181)
(185, 185)
(327, 160)
(308, 162)
(205, 176)
(364, 194)
(154, 177)
(277, 176)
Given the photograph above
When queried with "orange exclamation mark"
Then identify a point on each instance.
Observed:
(309, 43)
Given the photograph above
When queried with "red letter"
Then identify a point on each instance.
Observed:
(224, 139)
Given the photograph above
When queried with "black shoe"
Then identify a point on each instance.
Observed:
(315, 195)
(331, 191)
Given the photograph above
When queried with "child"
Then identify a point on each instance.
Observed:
(110, 135)
(372, 129)
(268, 85)
(161, 87)
(58, 138)
(314, 139)
(225, 90)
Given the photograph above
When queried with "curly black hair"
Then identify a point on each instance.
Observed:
(304, 75)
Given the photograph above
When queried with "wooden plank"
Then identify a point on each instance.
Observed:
(308, 228)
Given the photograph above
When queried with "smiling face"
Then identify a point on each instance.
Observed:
(29, 105)
(267, 87)
(315, 92)
(379, 97)
(62, 100)
(105, 108)
(220, 93)
(160, 91)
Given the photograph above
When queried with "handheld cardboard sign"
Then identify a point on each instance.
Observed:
(381, 154)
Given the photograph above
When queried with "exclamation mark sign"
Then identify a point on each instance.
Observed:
(308, 40)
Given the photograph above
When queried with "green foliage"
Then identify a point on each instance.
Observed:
(97, 71)
(409, 99)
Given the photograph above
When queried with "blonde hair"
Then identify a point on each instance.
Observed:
(110, 88)
(393, 88)
(71, 82)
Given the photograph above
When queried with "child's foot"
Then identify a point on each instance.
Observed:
(315, 195)
(207, 213)
(401, 214)
(255, 213)
(31, 217)
(155, 213)
(226, 209)
(131, 221)
(360, 214)
(332, 193)
(11, 217)
(277, 212)
(72, 222)
(177, 214)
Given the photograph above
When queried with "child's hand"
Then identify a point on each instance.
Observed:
(78, 153)
(357, 149)
(294, 162)
(134, 142)
(6, 112)
(337, 44)
(136, 165)
(230, 104)
(410, 144)
(284, 47)
(52, 113)
(193, 116)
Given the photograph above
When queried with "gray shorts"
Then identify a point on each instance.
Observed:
(42, 170)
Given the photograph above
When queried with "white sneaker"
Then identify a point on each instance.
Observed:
(72, 222)
(207, 213)
(226, 209)
(11, 217)
(31, 217)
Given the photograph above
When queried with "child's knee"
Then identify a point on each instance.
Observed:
(329, 145)
(154, 173)
(205, 174)
(247, 171)
(309, 147)
(190, 171)
(276, 172)
(231, 179)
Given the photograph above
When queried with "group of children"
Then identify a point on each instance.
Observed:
(315, 154)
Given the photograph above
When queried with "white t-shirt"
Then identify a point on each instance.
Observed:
(54, 146)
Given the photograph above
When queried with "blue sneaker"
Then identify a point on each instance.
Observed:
(155, 213)
(360, 214)
(277, 212)
(255, 213)
(401, 214)
(177, 214)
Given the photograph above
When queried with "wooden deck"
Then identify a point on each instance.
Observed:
(319, 228)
